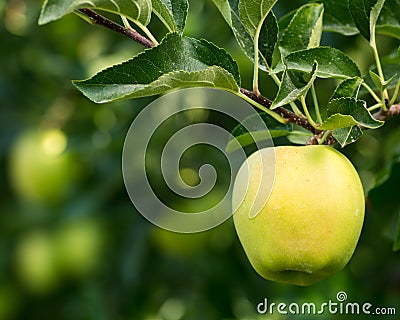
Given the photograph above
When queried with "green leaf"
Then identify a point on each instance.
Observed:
(290, 88)
(268, 39)
(332, 63)
(391, 68)
(365, 14)
(376, 79)
(176, 63)
(389, 30)
(284, 21)
(139, 11)
(244, 39)
(360, 10)
(347, 135)
(304, 30)
(225, 8)
(381, 85)
(268, 34)
(348, 88)
(164, 14)
(253, 13)
(299, 137)
(347, 112)
(172, 13)
(389, 19)
(338, 121)
(390, 14)
(375, 12)
(337, 17)
(249, 131)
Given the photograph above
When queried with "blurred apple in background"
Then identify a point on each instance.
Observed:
(36, 264)
(41, 168)
(184, 245)
(45, 259)
(78, 245)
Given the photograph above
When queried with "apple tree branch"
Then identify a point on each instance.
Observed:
(291, 117)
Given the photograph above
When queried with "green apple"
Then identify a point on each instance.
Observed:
(78, 247)
(41, 169)
(35, 262)
(179, 245)
(309, 226)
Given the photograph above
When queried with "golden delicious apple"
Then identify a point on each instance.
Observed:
(309, 226)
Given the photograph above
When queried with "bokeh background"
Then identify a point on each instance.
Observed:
(72, 245)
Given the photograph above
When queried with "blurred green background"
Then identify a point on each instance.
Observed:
(72, 245)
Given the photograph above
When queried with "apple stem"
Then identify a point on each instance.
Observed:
(324, 137)
(316, 104)
(309, 118)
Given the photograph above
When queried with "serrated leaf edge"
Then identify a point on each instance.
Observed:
(356, 122)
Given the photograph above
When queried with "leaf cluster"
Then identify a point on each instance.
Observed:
(287, 49)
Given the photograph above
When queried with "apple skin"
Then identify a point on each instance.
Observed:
(310, 225)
